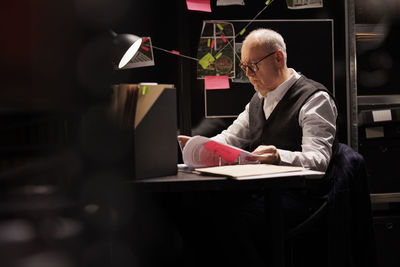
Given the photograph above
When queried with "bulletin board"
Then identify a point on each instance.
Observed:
(310, 51)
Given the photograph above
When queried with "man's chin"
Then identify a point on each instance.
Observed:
(255, 86)
(260, 90)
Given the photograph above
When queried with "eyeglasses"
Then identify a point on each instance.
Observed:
(253, 66)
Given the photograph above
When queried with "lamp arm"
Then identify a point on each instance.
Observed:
(162, 49)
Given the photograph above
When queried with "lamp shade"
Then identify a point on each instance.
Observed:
(126, 47)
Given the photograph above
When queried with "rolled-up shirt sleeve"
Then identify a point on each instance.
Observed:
(317, 118)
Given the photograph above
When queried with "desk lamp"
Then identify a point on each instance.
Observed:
(126, 46)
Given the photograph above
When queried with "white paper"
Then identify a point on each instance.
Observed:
(308, 174)
(249, 170)
(382, 115)
(196, 155)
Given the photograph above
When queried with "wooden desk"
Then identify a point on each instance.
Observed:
(271, 185)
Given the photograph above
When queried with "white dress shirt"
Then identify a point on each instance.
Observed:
(317, 118)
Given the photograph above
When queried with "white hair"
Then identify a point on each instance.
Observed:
(268, 38)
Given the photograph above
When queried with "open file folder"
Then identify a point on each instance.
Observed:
(236, 171)
(259, 171)
(149, 111)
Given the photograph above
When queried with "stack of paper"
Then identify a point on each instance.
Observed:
(248, 170)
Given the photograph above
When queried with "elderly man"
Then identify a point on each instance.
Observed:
(290, 120)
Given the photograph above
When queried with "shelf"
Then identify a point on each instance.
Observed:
(378, 100)
(370, 32)
(385, 198)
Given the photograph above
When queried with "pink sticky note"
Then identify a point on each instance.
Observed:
(227, 153)
(216, 82)
(199, 5)
(175, 52)
(223, 38)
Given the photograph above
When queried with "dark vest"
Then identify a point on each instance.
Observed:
(282, 127)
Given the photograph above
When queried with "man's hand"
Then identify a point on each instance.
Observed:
(268, 155)
(183, 139)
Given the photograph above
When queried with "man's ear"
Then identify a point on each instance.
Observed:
(279, 56)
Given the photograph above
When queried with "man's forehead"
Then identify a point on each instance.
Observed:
(250, 52)
(253, 47)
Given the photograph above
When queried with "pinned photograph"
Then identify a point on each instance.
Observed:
(302, 4)
(216, 50)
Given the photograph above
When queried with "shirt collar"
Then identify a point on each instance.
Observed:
(281, 90)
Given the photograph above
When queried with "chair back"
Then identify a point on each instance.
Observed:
(350, 226)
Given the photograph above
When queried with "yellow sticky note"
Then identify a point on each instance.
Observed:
(220, 27)
(218, 56)
(206, 60)
(242, 31)
(208, 42)
(145, 90)
(267, 2)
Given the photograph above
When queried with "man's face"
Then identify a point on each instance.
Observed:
(264, 79)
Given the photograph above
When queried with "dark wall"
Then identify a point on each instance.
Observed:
(179, 29)
(66, 37)
(277, 10)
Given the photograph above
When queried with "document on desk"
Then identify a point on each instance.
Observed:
(247, 170)
(201, 151)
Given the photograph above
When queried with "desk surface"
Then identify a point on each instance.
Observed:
(184, 181)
